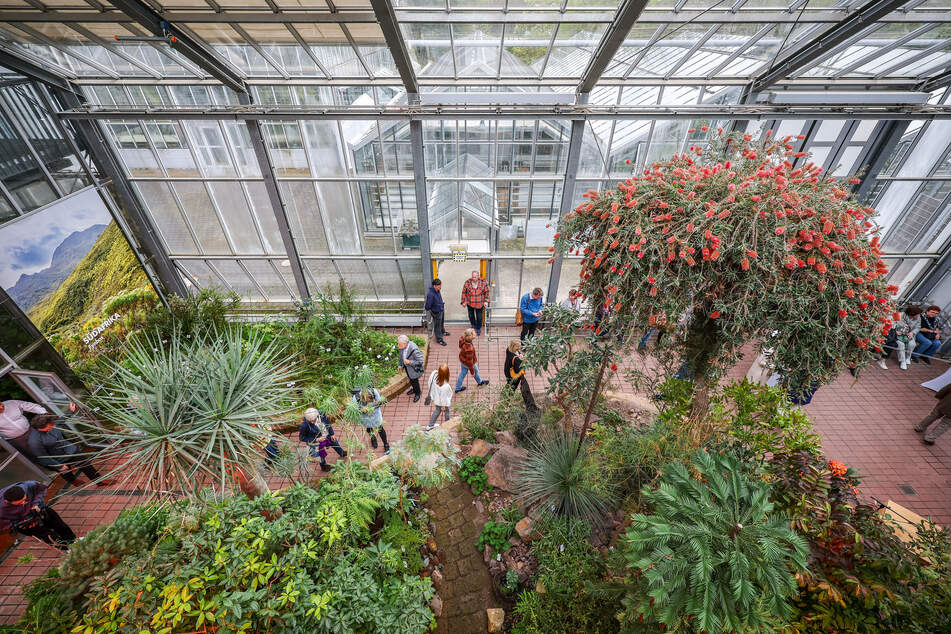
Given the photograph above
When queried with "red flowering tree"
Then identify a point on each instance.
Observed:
(749, 245)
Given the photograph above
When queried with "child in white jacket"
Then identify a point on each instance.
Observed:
(440, 391)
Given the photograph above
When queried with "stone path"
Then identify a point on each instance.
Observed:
(466, 590)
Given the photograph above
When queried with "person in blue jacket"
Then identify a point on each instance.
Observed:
(437, 308)
(317, 432)
(531, 309)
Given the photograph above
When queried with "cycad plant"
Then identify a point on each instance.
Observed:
(559, 476)
(713, 555)
(191, 412)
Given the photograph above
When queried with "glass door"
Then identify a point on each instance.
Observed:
(51, 392)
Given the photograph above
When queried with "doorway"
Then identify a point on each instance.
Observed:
(453, 275)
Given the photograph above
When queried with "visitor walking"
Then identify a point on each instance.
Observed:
(928, 339)
(51, 449)
(14, 426)
(906, 330)
(410, 360)
(573, 301)
(23, 510)
(530, 308)
(937, 421)
(468, 359)
(475, 297)
(318, 434)
(370, 403)
(440, 393)
(437, 309)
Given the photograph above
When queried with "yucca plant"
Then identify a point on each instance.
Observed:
(191, 412)
(712, 556)
(558, 475)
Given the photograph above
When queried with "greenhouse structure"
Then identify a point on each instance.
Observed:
(195, 189)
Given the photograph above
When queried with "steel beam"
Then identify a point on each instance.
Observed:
(610, 42)
(422, 200)
(383, 9)
(937, 82)
(878, 149)
(523, 111)
(803, 56)
(575, 142)
(21, 62)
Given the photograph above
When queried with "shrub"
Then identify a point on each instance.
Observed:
(559, 476)
(765, 422)
(489, 410)
(426, 459)
(496, 535)
(472, 472)
(713, 552)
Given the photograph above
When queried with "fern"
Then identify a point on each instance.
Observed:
(713, 556)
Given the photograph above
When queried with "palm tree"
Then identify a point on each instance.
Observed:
(191, 412)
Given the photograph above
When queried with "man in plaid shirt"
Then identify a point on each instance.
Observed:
(475, 297)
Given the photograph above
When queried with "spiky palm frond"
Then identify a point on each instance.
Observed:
(557, 474)
(713, 550)
(190, 413)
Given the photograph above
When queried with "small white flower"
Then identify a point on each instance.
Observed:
(498, 557)
(561, 548)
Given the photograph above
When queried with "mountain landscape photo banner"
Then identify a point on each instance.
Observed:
(70, 269)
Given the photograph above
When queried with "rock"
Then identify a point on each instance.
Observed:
(431, 545)
(480, 448)
(629, 405)
(379, 463)
(435, 604)
(540, 587)
(525, 527)
(487, 554)
(438, 579)
(508, 560)
(505, 438)
(452, 425)
(496, 619)
(502, 466)
(494, 567)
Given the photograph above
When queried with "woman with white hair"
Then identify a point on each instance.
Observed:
(317, 432)
(411, 360)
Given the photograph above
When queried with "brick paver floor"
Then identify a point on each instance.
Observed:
(866, 423)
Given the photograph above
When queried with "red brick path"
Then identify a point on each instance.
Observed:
(866, 424)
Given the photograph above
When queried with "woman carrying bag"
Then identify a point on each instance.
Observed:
(440, 395)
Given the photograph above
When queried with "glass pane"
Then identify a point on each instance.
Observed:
(166, 217)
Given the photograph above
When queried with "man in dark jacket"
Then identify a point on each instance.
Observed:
(23, 510)
(940, 413)
(437, 308)
(53, 451)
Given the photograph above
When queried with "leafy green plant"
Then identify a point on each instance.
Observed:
(405, 539)
(713, 555)
(558, 475)
(511, 583)
(765, 422)
(496, 535)
(424, 458)
(191, 412)
(472, 472)
(489, 410)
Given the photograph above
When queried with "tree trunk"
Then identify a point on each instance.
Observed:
(594, 396)
(701, 346)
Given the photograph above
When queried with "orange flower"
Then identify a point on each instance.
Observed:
(837, 468)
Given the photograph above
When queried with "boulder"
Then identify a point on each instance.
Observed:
(435, 604)
(496, 619)
(501, 468)
(629, 405)
(452, 425)
(540, 587)
(437, 579)
(480, 448)
(505, 438)
(525, 527)
(379, 463)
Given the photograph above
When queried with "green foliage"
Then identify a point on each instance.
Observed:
(496, 535)
(289, 562)
(190, 412)
(713, 553)
(196, 314)
(568, 569)
(746, 250)
(559, 476)
(765, 422)
(426, 459)
(511, 583)
(489, 410)
(472, 472)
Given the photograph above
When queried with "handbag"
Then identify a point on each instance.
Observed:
(429, 395)
(518, 317)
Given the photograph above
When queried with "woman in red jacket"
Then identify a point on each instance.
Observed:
(468, 359)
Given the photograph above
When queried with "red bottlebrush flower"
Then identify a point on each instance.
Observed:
(689, 226)
(614, 367)
(756, 198)
(704, 128)
(617, 219)
(855, 181)
(842, 313)
(745, 264)
(556, 235)
(827, 227)
(892, 288)
(821, 285)
(691, 130)
(714, 314)
(653, 291)
(633, 247)
(691, 261)
(614, 244)
(551, 249)
(849, 293)
(628, 161)
(752, 254)
(780, 230)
